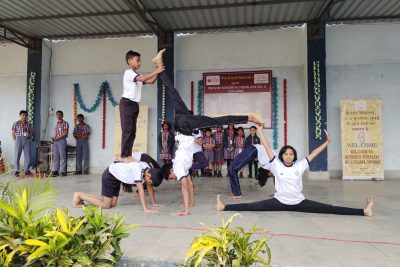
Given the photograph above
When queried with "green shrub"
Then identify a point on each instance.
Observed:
(32, 233)
(222, 246)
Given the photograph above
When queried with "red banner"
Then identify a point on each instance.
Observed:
(237, 82)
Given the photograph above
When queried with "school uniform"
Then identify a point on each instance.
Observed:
(239, 144)
(199, 160)
(185, 123)
(144, 157)
(219, 148)
(60, 147)
(229, 138)
(289, 196)
(129, 110)
(128, 173)
(23, 133)
(252, 140)
(166, 142)
(82, 147)
(247, 155)
(209, 152)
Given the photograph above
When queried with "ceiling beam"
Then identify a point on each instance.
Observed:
(393, 17)
(16, 37)
(95, 34)
(325, 14)
(268, 24)
(68, 16)
(145, 16)
(246, 4)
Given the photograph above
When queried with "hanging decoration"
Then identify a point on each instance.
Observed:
(106, 86)
(31, 96)
(317, 101)
(284, 112)
(275, 112)
(75, 108)
(104, 91)
(162, 104)
(200, 98)
(103, 137)
(192, 96)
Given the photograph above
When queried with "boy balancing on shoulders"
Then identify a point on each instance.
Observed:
(185, 124)
(130, 171)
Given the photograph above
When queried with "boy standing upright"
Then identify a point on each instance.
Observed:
(22, 133)
(60, 145)
(81, 134)
(129, 103)
(252, 139)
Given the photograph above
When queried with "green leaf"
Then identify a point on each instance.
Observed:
(62, 222)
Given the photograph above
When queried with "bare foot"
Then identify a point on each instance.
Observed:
(368, 207)
(183, 205)
(158, 58)
(253, 118)
(220, 205)
(76, 201)
(180, 213)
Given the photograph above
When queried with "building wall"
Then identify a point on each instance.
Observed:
(13, 59)
(363, 61)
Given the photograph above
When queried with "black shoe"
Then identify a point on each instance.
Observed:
(28, 173)
(63, 174)
(54, 174)
(250, 176)
(16, 174)
(86, 172)
(77, 173)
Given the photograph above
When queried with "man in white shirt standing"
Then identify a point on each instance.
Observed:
(129, 103)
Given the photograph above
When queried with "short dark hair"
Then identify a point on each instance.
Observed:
(166, 170)
(156, 176)
(59, 111)
(167, 123)
(208, 130)
(253, 127)
(240, 128)
(283, 150)
(262, 176)
(131, 54)
(23, 112)
(80, 116)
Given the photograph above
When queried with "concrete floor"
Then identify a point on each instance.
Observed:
(299, 239)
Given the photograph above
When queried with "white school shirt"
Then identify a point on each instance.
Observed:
(288, 180)
(132, 89)
(129, 173)
(137, 155)
(197, 147)
(263, 159)
(183, 156)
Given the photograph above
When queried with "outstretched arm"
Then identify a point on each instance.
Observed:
(142, 198)
(260, 128)
(319, 149)
(151, 77)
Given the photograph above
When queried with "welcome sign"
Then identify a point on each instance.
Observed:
(362, 142)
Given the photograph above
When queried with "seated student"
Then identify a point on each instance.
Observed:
(288, 185)
(131, 172)
(185, 123)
